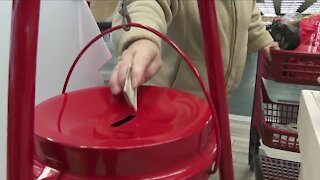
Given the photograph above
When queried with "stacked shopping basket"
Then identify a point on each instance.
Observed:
(273, 122)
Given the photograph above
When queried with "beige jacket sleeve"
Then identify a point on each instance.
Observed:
(258, 35)
(157, 14)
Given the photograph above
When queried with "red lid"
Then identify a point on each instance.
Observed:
(81, 121)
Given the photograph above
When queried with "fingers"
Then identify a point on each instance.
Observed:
(140, 66)
(143, 56)
(114, 83)
(125, 62)
(139, 63)
(153, 68)
(269, 56)
(275, 45)
(119, 73)
(267, 53)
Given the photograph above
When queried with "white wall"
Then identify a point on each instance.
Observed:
(5, 22)
(65, 28)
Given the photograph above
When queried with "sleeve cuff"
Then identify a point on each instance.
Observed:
(260, 42)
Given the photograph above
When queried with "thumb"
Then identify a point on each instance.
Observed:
(275, 45)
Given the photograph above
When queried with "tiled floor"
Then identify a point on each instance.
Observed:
(240, 144)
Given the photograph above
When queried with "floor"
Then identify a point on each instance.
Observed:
(240, 144)
(240, 102)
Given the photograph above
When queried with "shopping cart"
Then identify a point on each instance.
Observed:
(271, 120)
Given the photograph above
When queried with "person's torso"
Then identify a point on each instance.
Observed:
(234, 17)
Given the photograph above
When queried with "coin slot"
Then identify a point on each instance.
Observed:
(123, 121)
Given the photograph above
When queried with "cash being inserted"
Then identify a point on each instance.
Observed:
(129, 92)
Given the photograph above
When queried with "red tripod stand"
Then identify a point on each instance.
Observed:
(22, 90)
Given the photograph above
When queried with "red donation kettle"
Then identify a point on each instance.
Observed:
(172, 136)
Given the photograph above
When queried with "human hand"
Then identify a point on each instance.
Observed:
(266, 49)
(144, 57)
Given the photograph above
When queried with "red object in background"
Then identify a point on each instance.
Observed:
(23, 53)
(171, 136)
(305, 68)
(310, 35)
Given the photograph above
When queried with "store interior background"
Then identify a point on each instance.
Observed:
(240, 102)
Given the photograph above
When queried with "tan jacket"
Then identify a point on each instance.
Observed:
(240, 29)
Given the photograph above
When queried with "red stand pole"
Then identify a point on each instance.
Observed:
(216, 80)
(22, 72)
